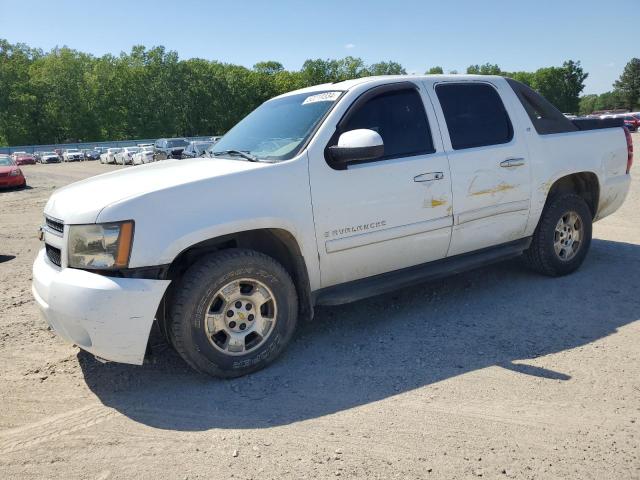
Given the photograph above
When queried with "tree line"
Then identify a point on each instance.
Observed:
(65, 95)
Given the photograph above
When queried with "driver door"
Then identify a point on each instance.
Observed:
(393, 212)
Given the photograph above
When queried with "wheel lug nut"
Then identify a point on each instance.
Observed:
(251, 318)
(243, 326)
(230, 313)
(232, 324)
(238, 304)
(248, 307)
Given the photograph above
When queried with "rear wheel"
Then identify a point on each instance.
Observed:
(563, 236)
(233, 313)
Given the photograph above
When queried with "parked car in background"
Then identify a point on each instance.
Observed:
(125, 156)
(24, 159)
(197, 148)
(145, 145)
(72, 155)
(110, 155)
(59, 153)
(10, 174)
(165, 148)
(49, 157)
(631, 122)
(144, 155)
(92, 154)
(36, 156)
(15, 155)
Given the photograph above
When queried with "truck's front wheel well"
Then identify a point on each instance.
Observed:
(584, 184)
(276, 243)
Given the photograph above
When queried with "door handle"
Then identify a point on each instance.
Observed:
(512, 162)
(428, 177)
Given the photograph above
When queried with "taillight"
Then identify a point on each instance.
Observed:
(627, 135)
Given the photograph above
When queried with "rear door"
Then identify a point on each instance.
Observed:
(489, 163)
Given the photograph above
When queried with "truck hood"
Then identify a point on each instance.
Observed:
(81, 202)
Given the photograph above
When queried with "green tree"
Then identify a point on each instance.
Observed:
(435, 71)
(587, 104)
(628, 85)
(270, 68)
(386, 68)
(486, 69)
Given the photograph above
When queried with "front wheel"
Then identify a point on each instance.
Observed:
(562, 238)
(233, 313)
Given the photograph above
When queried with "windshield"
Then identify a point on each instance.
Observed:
(278, 129)
(180, 142)
(5, 162)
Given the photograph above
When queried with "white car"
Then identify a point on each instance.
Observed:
(125, 156)
(110, 155)
(144, 155)
(49, 157)
(323, 196)
(72, 155)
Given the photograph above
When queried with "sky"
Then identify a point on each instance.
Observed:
(454, 34)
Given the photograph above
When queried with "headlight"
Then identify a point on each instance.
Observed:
(105, 246)
(15, 173)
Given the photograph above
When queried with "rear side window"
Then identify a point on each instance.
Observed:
(475, 115)
(545, 117)
(399, 117)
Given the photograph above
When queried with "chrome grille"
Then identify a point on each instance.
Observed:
(54, 225)
(53, 254)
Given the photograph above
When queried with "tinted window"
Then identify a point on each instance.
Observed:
(177, 143)
(399, 118)
(474, 114)
(545, 117)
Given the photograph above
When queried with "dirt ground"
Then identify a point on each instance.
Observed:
(497, 373)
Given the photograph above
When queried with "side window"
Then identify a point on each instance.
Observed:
(475, 115)
(399, 117)
(545, 117)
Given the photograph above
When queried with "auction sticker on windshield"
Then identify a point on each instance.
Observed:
(322, 97)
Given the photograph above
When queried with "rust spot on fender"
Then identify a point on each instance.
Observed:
(434, 202)
(502, 187)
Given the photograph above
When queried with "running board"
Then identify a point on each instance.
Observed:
(387, 282)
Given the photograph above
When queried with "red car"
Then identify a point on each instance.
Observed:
(10, 174)
(25, 159)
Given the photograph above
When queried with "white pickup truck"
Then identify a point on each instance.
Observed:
(324, 195)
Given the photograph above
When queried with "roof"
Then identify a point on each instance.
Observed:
(381, 79)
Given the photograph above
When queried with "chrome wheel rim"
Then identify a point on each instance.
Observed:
(240, 317)
(568, 236)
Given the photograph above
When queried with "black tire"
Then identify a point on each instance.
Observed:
(541, 255)
(195, 292)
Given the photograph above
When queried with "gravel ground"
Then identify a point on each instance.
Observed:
(497, 373)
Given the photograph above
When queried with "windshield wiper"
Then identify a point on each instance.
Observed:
(245, 155)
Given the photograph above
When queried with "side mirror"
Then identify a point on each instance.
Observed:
(356, 146)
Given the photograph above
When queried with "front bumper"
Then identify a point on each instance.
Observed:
(106, 316)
